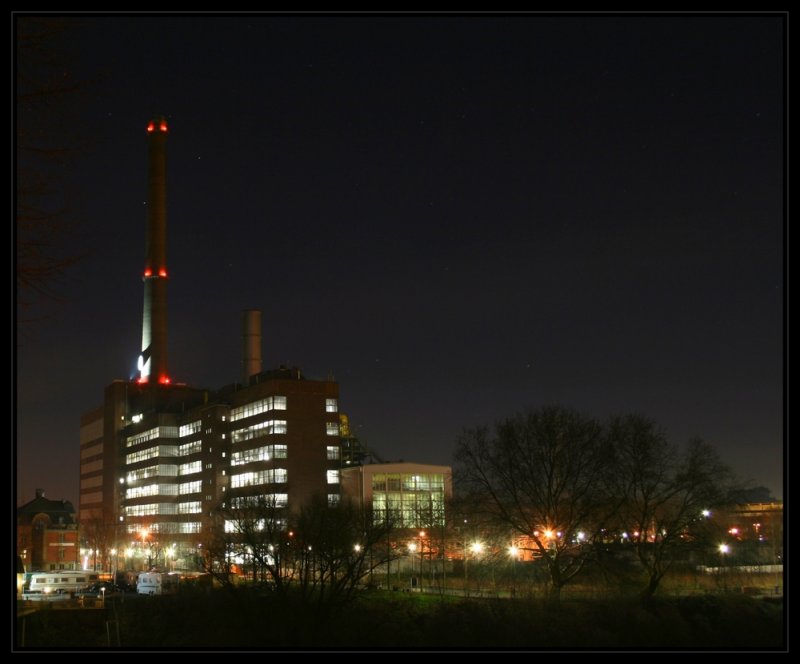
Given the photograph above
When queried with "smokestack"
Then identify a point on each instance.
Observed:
(251, 337)
(153, 360)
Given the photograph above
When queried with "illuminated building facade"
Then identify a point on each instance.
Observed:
(412, 495)
(158, 460)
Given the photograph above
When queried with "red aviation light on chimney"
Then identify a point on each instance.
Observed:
(148, 272)
(150, 128)
(163, 126)
(162, 272)
(165, 380)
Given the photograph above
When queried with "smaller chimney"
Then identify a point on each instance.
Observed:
(251, 338)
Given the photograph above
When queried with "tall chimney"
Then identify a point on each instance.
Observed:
(153, 360)
(251, 338)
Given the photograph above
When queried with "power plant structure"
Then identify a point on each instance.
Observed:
(153, 359)
(160, 460)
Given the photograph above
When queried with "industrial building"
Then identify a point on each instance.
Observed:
(158, 457)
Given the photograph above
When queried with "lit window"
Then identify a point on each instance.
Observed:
(333, 453)
(333, 499)
(189, 468)
(332, 428)
(332, 476)
(331, 405)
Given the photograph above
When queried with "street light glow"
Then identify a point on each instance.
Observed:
(412, 547)
(724, 548)
(513, 551)
(476, 547)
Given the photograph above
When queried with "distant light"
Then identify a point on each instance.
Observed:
(706, 513)
(150, 127)
(165, 380)
(624, 535)
(122, 480)
(357, 548)
(548, 534)
(162, 272)
(724, 548)
(148, 272)
(734, 531)
(422, 533)
(163, 125)
(412, 547)
(513, 551)
(138, 417)
(581, 536)
(476, 547)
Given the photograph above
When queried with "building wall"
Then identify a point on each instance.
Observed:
(92, 456)
(43, 548)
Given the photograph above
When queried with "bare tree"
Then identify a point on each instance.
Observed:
(666, 492)
(320, 555)
(543, 474)
(255, 539)
(337, 547)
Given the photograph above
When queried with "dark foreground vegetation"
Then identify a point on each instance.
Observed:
(403, 620)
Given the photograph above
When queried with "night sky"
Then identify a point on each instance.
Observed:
(456, 217)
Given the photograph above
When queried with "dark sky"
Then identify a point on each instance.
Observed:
(457, 217)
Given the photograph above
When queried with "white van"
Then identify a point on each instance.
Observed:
(149, 583)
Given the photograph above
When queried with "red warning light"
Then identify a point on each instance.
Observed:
(162, 272)
(164, 380)
(142, 381)
(151, 127)
(148, 272)
(163, 126)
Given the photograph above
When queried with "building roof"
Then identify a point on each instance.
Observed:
(59, 511)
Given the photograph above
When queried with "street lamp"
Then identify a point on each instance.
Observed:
(412, 547)
(723, 550)
(513, 551)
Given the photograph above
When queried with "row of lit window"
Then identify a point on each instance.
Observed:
(150, 509)
(405, 482)
(258, 407)
(152, 453)
(189, 429)
(271, 476)
(260, 429)
(152, 434)
(192, 507)
(190, 448)
(267, 500)
(259, 454)
(168, 527)
(163, 470)
(190, 487)
(190, 468)
(152, 490)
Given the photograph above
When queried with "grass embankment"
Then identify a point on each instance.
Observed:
(405, 620)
